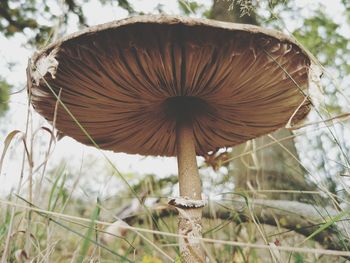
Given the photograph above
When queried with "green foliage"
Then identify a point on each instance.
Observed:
(320, 34)
(4, 95)
(4, 225)
(18, 16)
(127, 6)
(346, 4)
(89, 234)
(189, 7)
(58, 192)
(298, 258)
(22, 17)
(329, 222)
(150, 259)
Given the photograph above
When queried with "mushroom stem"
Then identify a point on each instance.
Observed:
(190, 217)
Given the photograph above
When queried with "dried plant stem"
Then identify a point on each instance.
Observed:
(28, 244)
(190, 219)
(13, 210)
(71, 218)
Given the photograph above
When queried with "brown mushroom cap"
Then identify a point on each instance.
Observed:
(129, 82)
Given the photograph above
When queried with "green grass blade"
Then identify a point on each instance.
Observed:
(87, 239)
(329, 223)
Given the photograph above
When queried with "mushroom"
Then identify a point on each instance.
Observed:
(172, 86)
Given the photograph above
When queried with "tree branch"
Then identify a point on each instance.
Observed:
(302, 218)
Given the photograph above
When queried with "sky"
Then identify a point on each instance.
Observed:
(13, 50)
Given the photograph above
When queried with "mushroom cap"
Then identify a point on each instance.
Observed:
(130, 82)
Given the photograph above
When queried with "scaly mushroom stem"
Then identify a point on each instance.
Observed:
(190, 218)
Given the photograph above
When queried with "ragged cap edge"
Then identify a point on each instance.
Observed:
(313, 91)
(315, 87)
(170, 20)
(43, 65)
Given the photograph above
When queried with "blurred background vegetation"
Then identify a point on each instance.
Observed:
(290, 188)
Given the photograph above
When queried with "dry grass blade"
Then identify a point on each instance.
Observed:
(7, 143)
(208, 240)
(326, 122)
(13, 210)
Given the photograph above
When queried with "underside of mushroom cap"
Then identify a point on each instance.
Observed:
(129, 83)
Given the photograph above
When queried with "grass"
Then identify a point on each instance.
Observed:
(70, 230)
(59, 225)
(53, 217)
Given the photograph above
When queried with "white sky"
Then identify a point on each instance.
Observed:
(12, 50)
